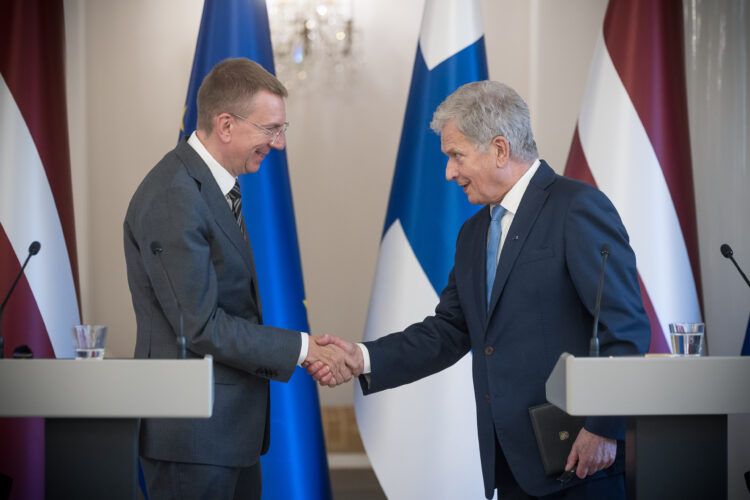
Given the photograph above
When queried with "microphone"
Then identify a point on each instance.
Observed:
(23, 352)
(727, 252)
(594, 343)
(33, 250)
(157, 250)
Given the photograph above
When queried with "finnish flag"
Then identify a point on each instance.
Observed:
(422, 438)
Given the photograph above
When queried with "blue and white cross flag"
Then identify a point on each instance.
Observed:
(422, 438)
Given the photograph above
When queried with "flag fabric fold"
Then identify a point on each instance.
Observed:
(632, 142)
(36, 204)
(421, 439)
(295, 465)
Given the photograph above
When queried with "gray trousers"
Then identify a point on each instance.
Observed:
(179, 480)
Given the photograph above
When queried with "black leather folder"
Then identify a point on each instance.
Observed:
(555, 433)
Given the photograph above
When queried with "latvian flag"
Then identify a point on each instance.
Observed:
(632, 142)
(36, 204)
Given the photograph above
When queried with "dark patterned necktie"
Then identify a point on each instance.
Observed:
(235, 198)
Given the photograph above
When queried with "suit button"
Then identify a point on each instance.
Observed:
(487, 397)
(489, 350)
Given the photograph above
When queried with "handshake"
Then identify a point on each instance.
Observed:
(332, 361)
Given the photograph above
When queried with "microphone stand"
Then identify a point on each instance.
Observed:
(157, 250)
(594, 343)
(33, 250)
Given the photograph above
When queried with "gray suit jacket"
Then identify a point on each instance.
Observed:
(180, 205)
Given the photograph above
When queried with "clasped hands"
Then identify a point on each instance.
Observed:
(332, 361)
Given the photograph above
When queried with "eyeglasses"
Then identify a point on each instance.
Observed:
(271, 132)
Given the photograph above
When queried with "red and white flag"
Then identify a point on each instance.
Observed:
(36, 204)
(632, 142)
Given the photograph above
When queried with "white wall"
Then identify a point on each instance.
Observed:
(128, 68)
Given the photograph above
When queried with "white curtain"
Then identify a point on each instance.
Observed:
(717, 66)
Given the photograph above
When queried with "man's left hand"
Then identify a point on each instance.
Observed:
(593, 453)
(330, 360)
(353, 358)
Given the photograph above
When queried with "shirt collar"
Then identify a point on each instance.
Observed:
(223, 178)
(512, 199)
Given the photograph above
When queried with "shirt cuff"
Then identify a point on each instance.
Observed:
(366, 357)
(303, 348)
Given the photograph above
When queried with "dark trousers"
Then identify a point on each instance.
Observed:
(171, 480)
(605, 488)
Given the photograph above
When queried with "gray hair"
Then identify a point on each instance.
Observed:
(484, 110)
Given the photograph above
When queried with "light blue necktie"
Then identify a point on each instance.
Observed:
(493, 242)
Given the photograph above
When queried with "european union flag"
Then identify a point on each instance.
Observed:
(746, 343)
(295, 465)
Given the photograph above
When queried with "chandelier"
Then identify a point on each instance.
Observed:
(312, 42)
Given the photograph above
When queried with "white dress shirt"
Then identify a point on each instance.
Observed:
(511, 201)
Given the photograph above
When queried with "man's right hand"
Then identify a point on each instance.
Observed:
(353, 359)
(330, 361)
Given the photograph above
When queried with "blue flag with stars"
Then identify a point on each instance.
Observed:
(295, 466)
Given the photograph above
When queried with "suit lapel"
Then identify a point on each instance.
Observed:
(219, 206)
(255, 285)
(528, 211)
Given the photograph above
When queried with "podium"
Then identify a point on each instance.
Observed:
(92, 410)
(677, 431)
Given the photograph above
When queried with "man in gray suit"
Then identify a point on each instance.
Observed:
(184, 235)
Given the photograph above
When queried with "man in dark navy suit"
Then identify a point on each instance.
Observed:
(521, 292)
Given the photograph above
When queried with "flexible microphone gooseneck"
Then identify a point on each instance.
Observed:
(157, 250)
(727, 252)
(33, 250)
(594, 343)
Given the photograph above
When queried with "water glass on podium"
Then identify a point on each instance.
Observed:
(686, 338)
(88, 341)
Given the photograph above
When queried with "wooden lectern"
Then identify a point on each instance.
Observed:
(92, 409)
(677, 430)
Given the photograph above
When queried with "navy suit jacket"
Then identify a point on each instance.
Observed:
(541, 306)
